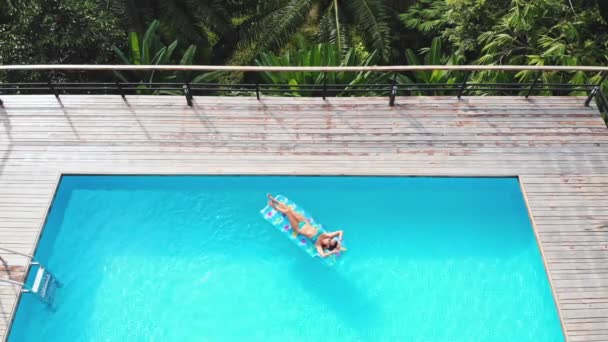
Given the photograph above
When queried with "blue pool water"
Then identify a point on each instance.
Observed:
(190, 259)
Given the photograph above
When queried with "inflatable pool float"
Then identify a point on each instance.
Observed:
(281, 223)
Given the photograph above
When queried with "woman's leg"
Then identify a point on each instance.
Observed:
(293, 217)
(284, 208)
(299, 217)
(273, 200)
(293, 221)
(280, 207)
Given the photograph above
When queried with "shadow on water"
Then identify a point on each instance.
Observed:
(341, 295)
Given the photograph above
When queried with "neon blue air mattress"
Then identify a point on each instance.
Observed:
(281, 223)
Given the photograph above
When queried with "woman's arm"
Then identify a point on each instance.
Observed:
(338, 233)
(326, 254)
(320, 250)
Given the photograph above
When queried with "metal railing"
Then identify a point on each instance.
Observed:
(31, 260)
(391, 85)
(601, 101)
(30, 257)
(44, 284)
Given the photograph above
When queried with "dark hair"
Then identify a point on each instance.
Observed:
(332, 245)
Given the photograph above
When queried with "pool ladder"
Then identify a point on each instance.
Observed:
(45, 284)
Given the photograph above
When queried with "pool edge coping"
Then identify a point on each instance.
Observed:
(542, 254)
(47, 210)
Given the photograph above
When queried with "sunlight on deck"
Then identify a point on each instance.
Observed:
(557, 146)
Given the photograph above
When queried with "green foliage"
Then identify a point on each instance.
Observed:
(457, 22)
(547, 32)
(543, 32)
(319, 55)
(214, 26)
(431, 56)
(56, 32)
(151, 51)
(339, 23)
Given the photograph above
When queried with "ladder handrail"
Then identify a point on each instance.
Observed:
(31, 257)
(12, 282)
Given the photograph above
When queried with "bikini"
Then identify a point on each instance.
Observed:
(315, 237)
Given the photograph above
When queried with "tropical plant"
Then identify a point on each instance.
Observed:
(339, 22)
(240, 29)
(150, 50)
(548, 32)
(214, 26)
(320, 55)
(209, 24)
(431, 56)
(544, 32)
(55, 32)
(457, 22)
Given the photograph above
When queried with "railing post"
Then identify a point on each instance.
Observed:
(595, 89)
(324, 85)
(187, 93)
(53, 90)
(257, 85)
(393, 94)
(120, 91)
(464, 84)
(591, 95)
(601, 104)
(538, 74)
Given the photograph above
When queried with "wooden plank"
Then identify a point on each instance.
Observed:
(558, 147)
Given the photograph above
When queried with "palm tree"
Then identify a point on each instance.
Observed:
(339, 22)
(247, 27)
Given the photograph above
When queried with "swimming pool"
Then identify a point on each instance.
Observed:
(146, 258)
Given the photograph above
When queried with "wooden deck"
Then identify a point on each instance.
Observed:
(558, 147)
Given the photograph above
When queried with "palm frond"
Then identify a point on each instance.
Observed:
(181, 17)
(212, 14)
(147, 42)
(134, 46)
(331, 32)
(277, 27)
(370, 15)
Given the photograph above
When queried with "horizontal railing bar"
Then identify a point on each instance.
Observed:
(60, 85)
(113, 84)
(336, 89)
(319, 90)
(315, 90)
(388, 68)
(60, 88)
